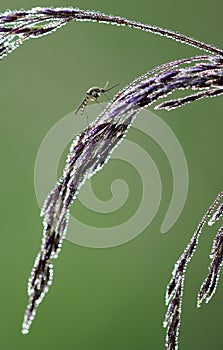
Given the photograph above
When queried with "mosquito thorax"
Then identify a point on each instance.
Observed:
(94, 92)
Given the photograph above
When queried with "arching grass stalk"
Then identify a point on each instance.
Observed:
(92, 148)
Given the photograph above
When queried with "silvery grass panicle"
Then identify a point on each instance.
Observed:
(200, 76)
(208, 288)
(175, 287)
(18, 26)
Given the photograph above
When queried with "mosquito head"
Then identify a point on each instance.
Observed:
(94, 92)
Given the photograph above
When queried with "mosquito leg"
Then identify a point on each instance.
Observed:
(100, 104)
(87, 117)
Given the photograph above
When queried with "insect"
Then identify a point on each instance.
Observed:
(92, 95)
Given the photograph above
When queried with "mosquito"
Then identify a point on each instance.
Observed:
(92, 95)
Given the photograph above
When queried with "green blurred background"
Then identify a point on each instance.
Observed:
(110, 298)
